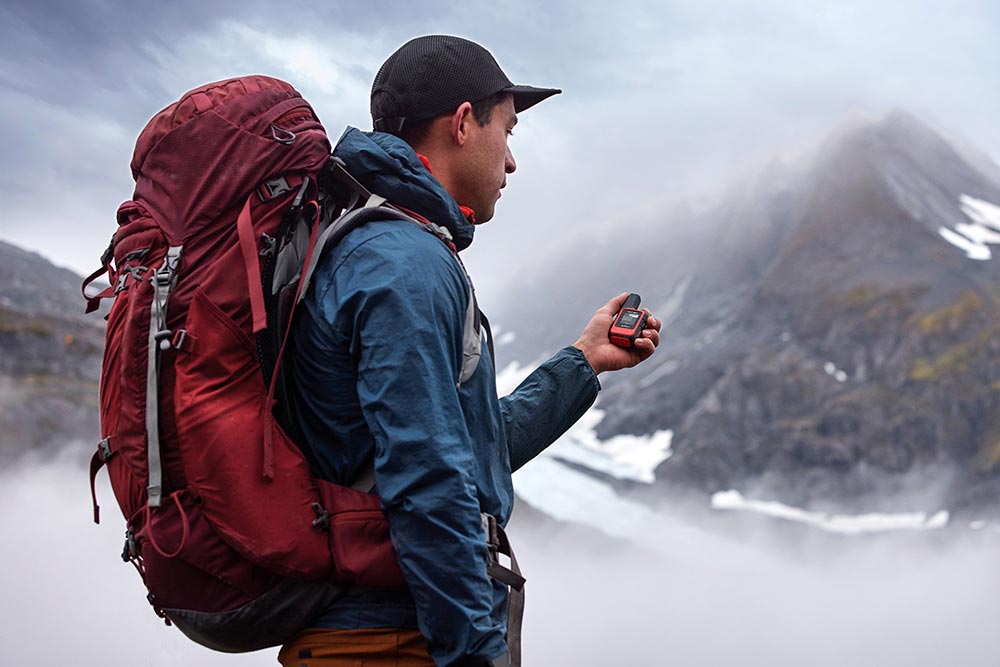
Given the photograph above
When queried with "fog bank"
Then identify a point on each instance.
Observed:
(68, 597)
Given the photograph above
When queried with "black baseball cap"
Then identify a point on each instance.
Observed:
(432, 75)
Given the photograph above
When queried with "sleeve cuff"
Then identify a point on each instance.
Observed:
(581, 360)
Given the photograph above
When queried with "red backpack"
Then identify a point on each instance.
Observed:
(236, 195)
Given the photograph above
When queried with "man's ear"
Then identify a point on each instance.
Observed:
(460, 121)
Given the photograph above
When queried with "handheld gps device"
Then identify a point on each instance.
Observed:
(629, 323)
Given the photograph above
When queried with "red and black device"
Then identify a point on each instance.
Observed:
(629, 323)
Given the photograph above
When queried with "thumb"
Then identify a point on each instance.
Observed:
(614, 305)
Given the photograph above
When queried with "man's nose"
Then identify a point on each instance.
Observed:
(508, 164)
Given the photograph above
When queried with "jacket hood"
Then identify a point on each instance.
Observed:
(388, 166)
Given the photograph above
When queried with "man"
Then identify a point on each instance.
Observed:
(382, 374)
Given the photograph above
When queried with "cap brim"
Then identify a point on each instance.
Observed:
(526, 97)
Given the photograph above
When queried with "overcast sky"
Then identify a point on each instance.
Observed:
(658, 96)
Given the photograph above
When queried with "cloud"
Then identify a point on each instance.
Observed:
(660, 99)
(866, 606)
(62, 574)
(724, 592)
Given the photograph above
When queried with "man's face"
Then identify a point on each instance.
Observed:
(487, 162)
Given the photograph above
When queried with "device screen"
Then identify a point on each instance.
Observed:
(629, 319)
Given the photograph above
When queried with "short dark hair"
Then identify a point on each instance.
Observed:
(383, 105)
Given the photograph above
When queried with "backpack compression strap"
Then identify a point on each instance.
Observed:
(159, 337)
(248, 247)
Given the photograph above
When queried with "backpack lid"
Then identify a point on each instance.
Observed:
(197, 161)
(193, 103)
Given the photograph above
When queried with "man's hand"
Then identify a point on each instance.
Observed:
(601, 353)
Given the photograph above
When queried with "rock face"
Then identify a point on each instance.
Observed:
(50, 357)
(824, 339)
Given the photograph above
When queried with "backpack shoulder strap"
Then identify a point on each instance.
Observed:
(375, 208)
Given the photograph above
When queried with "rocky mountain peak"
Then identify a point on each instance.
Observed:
(824, 335)
(901, 157)
(33, 285)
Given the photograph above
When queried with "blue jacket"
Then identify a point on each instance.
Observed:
(376, 358)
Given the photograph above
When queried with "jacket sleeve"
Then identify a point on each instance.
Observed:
(408, 305)
(547, 403)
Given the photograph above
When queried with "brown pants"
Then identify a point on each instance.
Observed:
(375, 647)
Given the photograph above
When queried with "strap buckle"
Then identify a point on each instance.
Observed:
(130, 551)
(135, 272)
(491, 527)
(497, 544)
(272, 188)
(165, 274)
(104, 447)
(322, 520)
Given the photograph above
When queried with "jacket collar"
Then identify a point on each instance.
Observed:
(388, 166)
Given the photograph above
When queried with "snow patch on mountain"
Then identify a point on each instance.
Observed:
(974, 239)
(575, 497)
(506, 339)
(512, 375)
(563, 493)
(630, 457)
(570, 495)
(981, 212)
(834, 523)
(627, 457)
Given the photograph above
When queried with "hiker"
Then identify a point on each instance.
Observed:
(386, 380)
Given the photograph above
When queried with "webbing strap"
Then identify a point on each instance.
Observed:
(497, 543)
(336, 231)
(94, 301)
(489, 339)
(471, 339)
(96, 463)
(472, 331)
(163, 281)
(248, 246)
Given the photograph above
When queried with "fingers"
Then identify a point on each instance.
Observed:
(643, 349)
(652, 335)
(647, 344)
(612, 307)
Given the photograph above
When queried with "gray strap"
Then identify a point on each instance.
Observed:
(472, 342)
(374, 201)
(375, 209)
(472, 336)
(366, 482)
(163, 281)
(337, 229)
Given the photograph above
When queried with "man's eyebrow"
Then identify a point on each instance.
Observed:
(513, 120)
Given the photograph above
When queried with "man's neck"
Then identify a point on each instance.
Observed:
(469, 214)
